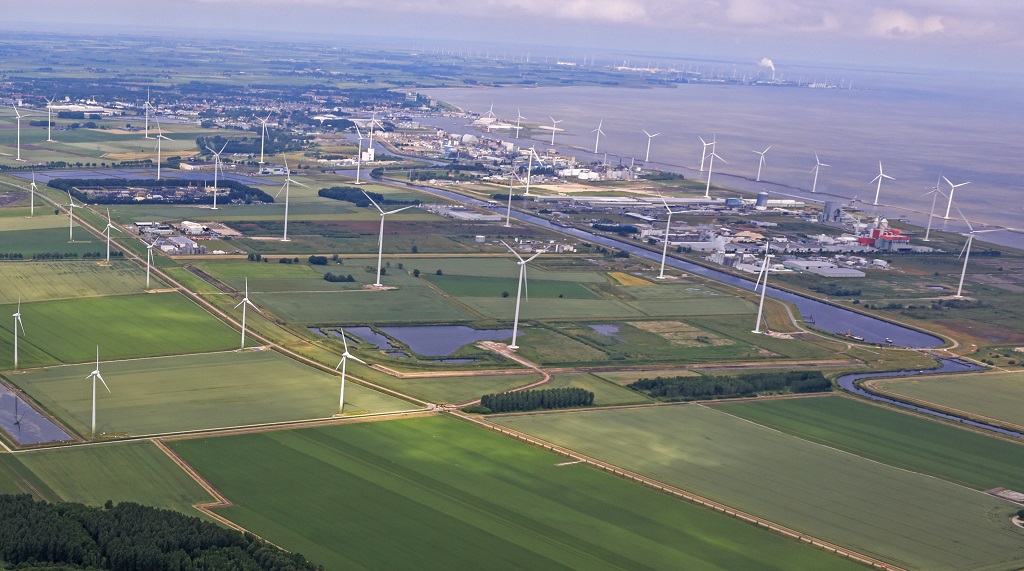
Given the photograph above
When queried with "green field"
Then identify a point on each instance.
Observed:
(122, 472)
(893, 438)
(39, 281)
(908, 519)
(124, 326)
(481, 286)
(998, 396)
(435, 493)
(406, 304)
(456, 389)
(606, 393)
(192, 392)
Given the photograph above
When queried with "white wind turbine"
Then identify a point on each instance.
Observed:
(17, 114)
(490, 112)
(159, 137)
(110, 226)
(664, 249)
(519, 293)
(263, 133)
(704, 151)
(554, 126)
(359, 154)
(599, 132)
(374, 121)
(216, 166)
(952, 189)
(879, 178)
(286, 187)
(762, 280)
(817, 166)
(17, 323)
(650, 136)
(245, 301)
(344, 361)
(966, 252)
(147, 107)
(760, 162)
(711, 166)
(529, 168)
(32, 190)
(49, 118)
(71, 217)
(94, 376)
(935, 192)
(380, 239)
(513, 176)
(149, 259)
(519, 117)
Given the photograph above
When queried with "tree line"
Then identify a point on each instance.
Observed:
(238, 191)
(537, 399)
(355, 196)
(128, 537)
(717, 387)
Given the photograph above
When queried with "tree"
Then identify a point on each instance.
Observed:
(415, 273)
(440, 273)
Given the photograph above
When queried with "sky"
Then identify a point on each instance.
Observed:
(935, 34)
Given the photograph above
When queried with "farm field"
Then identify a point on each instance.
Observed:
(606, 393)
(456, 389)
(406, 304)
(40, 281)
(908, 519)
(124, 326)
(430, 480)
(35, 242)
(902, 440)
(122, 471)
(999, 396)
(194, 392)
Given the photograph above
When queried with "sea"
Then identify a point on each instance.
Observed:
(921, 126)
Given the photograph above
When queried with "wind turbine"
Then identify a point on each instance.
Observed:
(879, 178)
(931, 214)
(359, 154)
(952, 189)
(554, 125)
(373, 120)
(286, 187)
(762, 280)
(32, 190)
(159, 137)
(711, 166)
(263, 133)
(110, 226)
(966, 252)
(529, 168)
(519, 117)
(490, 112)
(760, 163)
(513, 175)
(71, 217)
(519, 293)
(599, 133)
(817, 166)
(147, 106)
(18, 115)
(49, 118)
(149, 259)
(95, 375)
(380, 239)
(647, 157)
(17, 322)
(245, 301)
(344, 361)
(216, 165)
(704, 152)
(664, 249)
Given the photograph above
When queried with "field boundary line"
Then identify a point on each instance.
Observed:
(681, 493)
(870, 385)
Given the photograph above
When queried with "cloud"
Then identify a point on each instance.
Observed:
(888, 23)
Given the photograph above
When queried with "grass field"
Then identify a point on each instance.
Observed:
(39, 281)
(606, 393)
(192, 392)
(908, 519)
(124, 326)
(994, 395)
(457, 389)
(124, 471)
(435, 493)
(893, 438)
(480, 286)
(407, 304)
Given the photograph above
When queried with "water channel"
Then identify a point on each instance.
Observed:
(25, 424)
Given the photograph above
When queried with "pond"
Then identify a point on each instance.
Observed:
(443, 340)
(24, 423)
(369, 335)
(607, 329)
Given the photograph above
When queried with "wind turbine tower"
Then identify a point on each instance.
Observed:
(599, 132)
(380, 239)
(17, 114)
(245, 301)
(647, 157)
(762, 280)
(263, 133)
(71, 217)
(49, 119)
(935, 192)
(344, 361)
(817, 166)
(760, 162)
(286, 187)
(664, 249)
(519, 293)
(952, 189)
(32, 190)
(216, 166)
(94, 376)
(159, 137)
(554, 127)
(711, 166)
(704, 151)
(359, 154)
(110, 226)
(147, 107)
(17, 323)
(879, 178)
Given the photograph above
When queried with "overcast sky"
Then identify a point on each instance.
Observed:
(967, 34)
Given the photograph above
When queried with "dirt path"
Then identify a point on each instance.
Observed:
(504, 351)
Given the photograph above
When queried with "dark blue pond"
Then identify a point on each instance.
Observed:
(24, 423)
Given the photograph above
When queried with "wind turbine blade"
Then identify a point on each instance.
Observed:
(343, 340)
(966, 221)
(947, 182)
(280, 190)
(224, 147)
(298, 183)
(252, 305)
(533, 257)
(514, 253)
(20, 323)
(340, 363)
(357, 359)
(400, 209)
(100, 377)
(237, 305)
(372, 202)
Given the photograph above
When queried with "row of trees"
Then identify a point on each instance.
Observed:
(355, 195)
(238, 191)
(338, 277)
(128, 537)
(537, 399)
(59, 255)
(716, 387)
